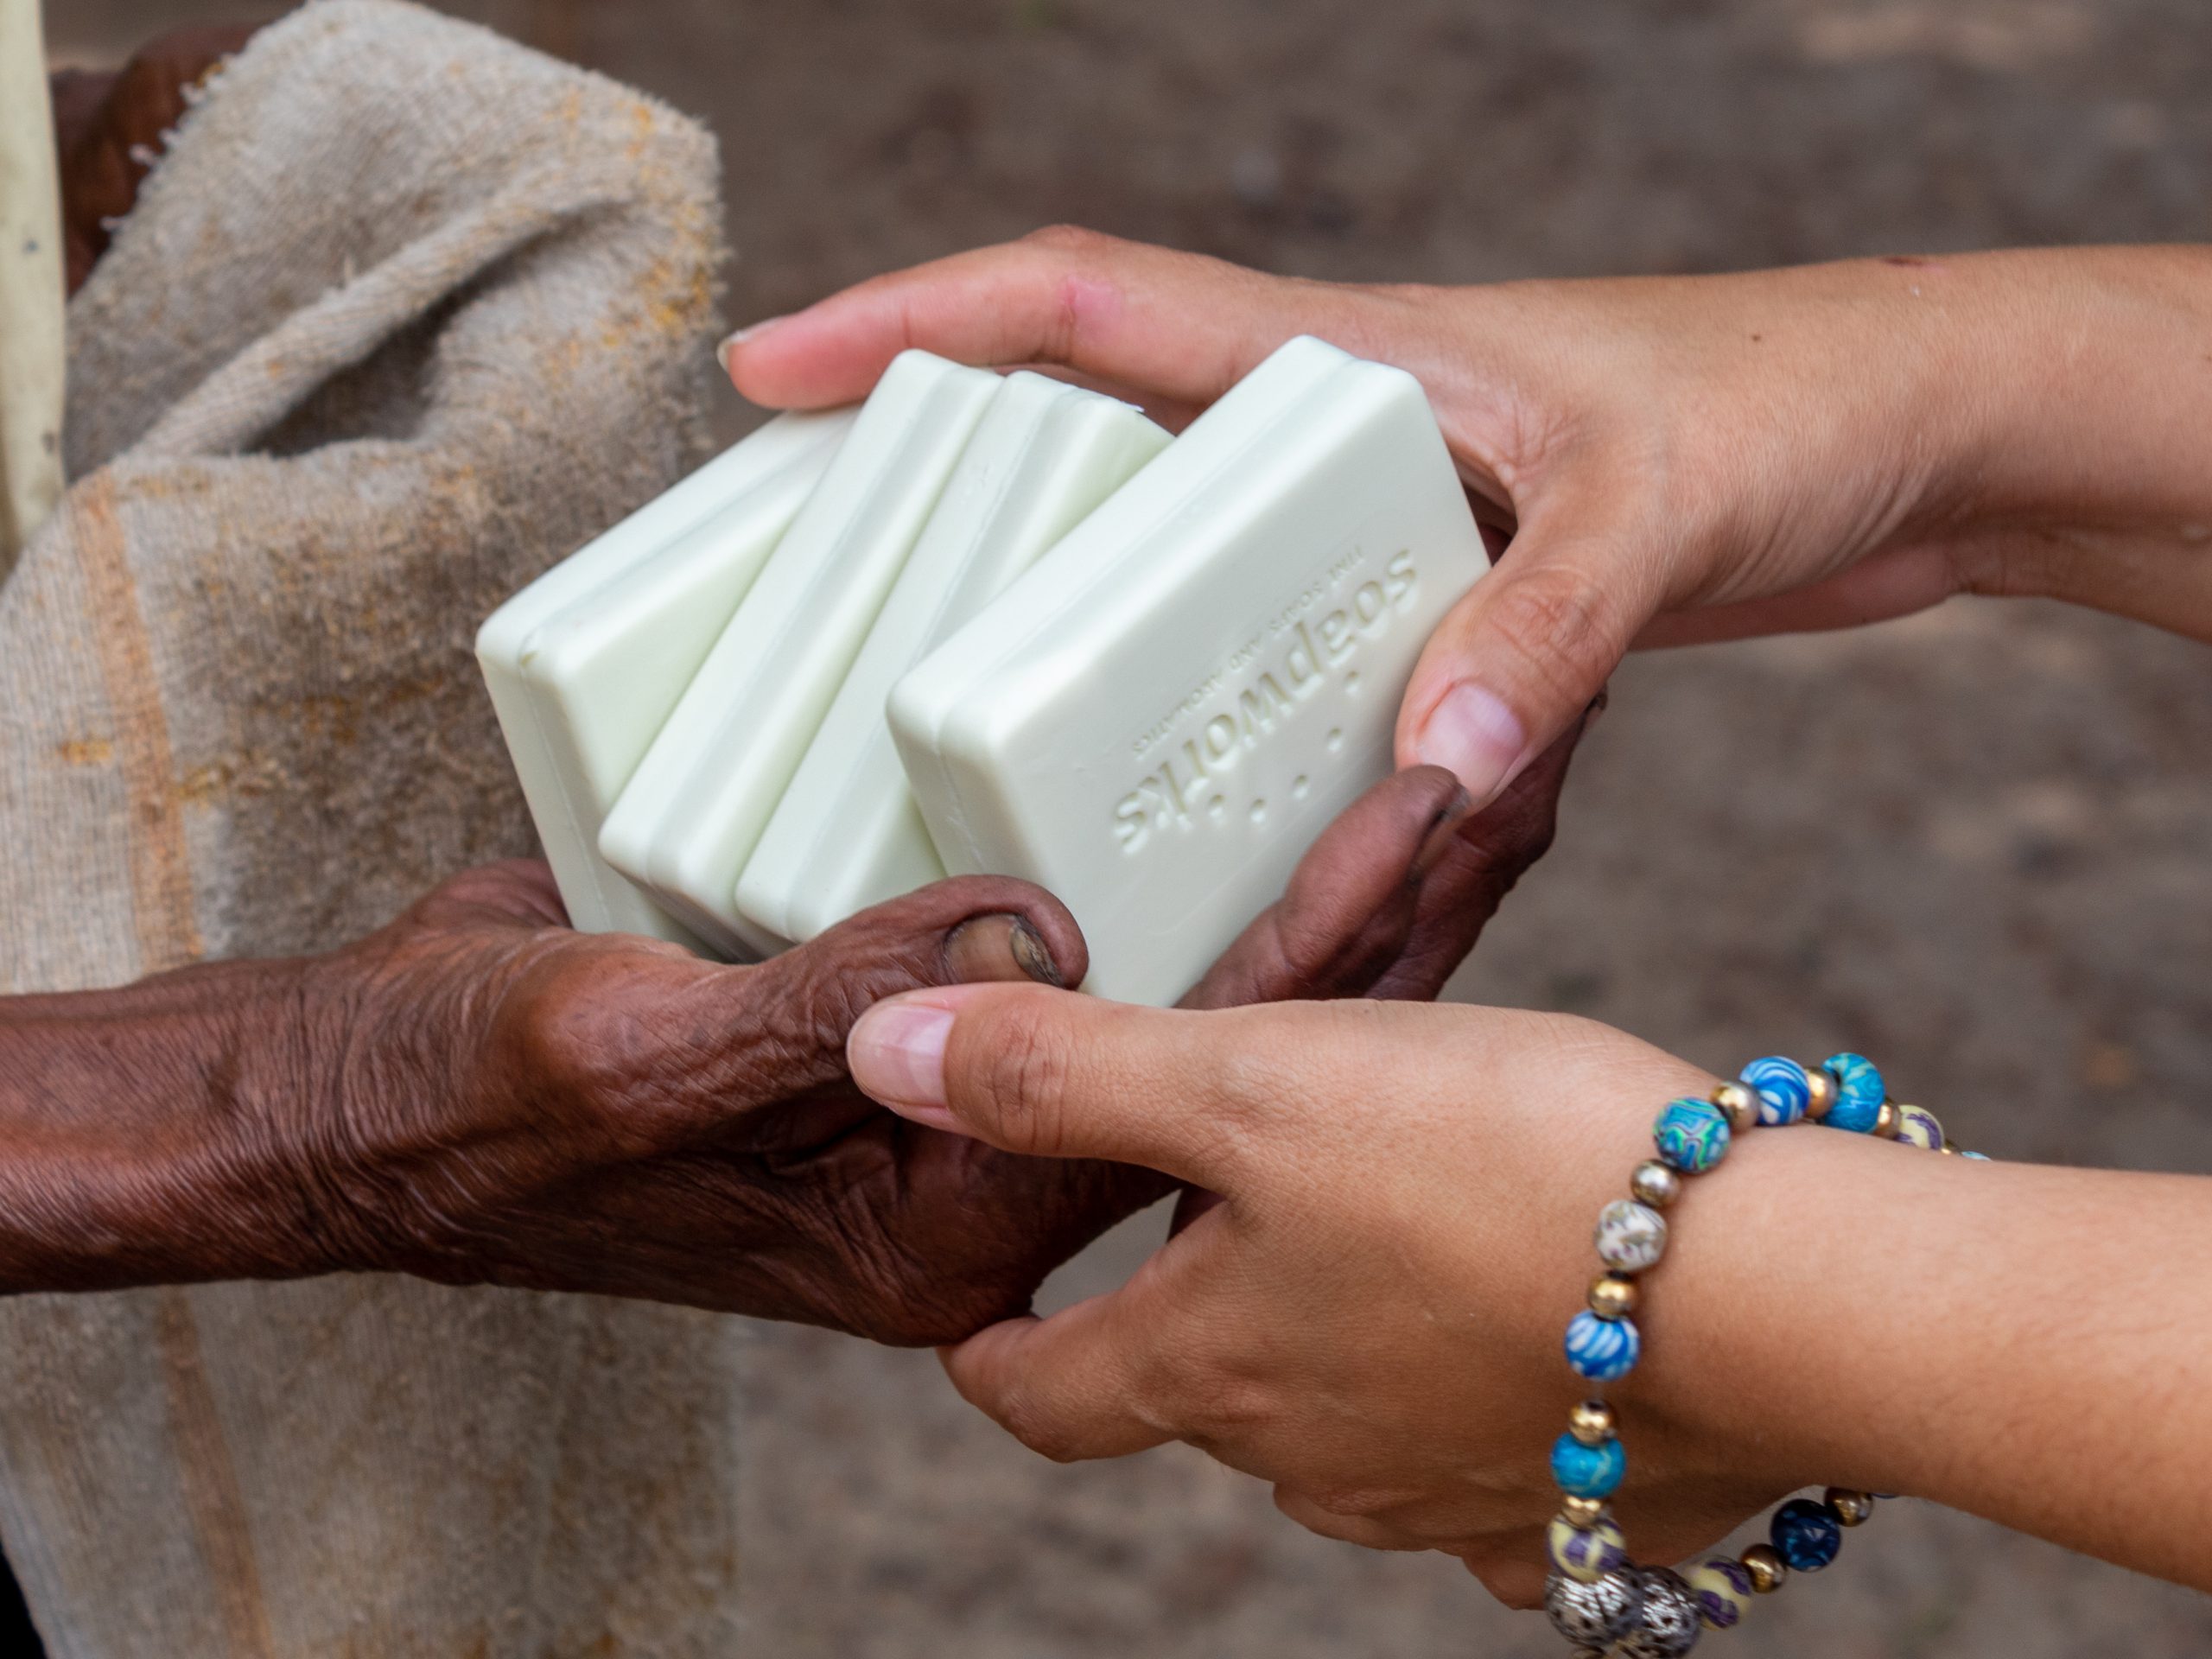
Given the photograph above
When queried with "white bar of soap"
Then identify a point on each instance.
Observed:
(584, 665)
(694, 808)
(1160, 717)
(847, 834)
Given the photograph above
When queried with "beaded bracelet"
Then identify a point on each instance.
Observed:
(1597, 1597)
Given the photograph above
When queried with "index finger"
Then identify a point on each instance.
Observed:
(1165, 324)
(1093, 1380)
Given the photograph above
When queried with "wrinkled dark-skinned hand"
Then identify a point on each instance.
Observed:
(107, 123)
(479, 1095)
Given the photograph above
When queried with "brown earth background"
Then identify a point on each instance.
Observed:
(1976, 845)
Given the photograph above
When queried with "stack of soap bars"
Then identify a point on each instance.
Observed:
(989, 623)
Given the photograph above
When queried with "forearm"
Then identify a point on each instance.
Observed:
(141, 1135)
(1862, 439)
(2016, 1341)
(2074, 417)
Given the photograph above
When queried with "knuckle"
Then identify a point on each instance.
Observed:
(1565, 623)
(1245, 1081)
(1078, 240)
(546, 1028)
(1076, 268)
(1026, 1071)
(1227, 1413)
(571, 1047)
(1245, 1095)
(1245, 1078)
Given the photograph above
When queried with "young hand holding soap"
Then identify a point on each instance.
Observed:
(1371, 1317)
(1676, 459)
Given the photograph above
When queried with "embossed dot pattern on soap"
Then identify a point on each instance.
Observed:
(1153, 719)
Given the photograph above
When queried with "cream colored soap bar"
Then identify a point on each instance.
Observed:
(586, 662)
(694, 809)
(847, 834)
(1160, 717)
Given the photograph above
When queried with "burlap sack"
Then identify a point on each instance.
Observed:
(407, 314)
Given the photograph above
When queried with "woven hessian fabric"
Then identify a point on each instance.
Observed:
(406, 313)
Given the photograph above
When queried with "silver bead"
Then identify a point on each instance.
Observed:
(1819, 1092)
(1630, 1236)
(1668, 1624)
(1594, 1615)
(1654, 1183)
(1741, 1102)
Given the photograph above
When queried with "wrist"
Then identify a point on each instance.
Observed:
(1780, 1266)
(2071, 424)
(154, 1133)
(1703, 1367)
(1728, 1284)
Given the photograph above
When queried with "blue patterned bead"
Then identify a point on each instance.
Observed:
(1784, 1090)
(1587, 1554)
(1602, 1349)
(1692, 1135)
(1588, 1471)
(1805, 1535)
(1858, 1093)
(1722, 1586)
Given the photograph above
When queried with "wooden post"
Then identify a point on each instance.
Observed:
(32, 364)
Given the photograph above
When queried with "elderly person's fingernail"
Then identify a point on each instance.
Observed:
(1442, 832)
(896, 1051)
(1001, 946)
(753, 331)
(1474, 736)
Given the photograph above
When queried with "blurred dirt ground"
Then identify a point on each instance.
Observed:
(1977, 845)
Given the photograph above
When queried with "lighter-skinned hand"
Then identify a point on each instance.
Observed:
(1371, 1317)
(1674, 460)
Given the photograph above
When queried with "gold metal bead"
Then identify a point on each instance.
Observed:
(1654, 1183)
(1741, 1102)
(1766, 1568)
(1819, 1092)
(1612, 1297)
(1853, 1508)
(1887, 1121)
(1948, 1150)
(1582, 1513)
(1590, 1422)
